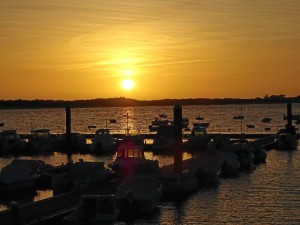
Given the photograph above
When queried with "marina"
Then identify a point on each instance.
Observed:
(60, 205)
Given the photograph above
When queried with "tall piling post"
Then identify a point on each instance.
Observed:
(68, 132)
(289, 127)
(177, 114)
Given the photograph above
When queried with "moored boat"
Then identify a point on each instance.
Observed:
(40, 140)
(11, 142)
(139, 193)
(130, 160)
(81, 175)
(173, 183)
(286, 141)
(103, 142)
(20, 174)
(94, 209)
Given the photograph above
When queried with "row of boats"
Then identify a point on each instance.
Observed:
(143, 181)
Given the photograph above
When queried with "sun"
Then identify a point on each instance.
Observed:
(127, 84)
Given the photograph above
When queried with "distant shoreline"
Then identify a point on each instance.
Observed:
(127, 102)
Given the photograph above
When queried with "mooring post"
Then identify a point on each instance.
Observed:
(68, 131)
(289, 127)
(177, 113)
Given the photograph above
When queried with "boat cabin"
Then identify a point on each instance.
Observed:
(129, 150)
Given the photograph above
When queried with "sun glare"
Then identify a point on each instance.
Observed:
(127, 84)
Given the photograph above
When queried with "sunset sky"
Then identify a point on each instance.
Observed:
(85, 49)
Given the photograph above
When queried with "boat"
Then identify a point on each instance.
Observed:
(238, 117)
(229, 160)
(1, 124)
(78, 141)
(11, 142)
(81, 175)
(204, 124)
(159, 122)
(199, 118)
(173, 183)
(103, 142)
(294, 117)
(198, 139)
(163, 115)
(164, 139)
(94, 209)
(297, 121)
(260, 155)
(244, 152)
(134, 136)
(206, 167)
(285, 141)
(266, 120)
(153, 128)
(184, 122)
(230, 164)
(130, 159)
(139, 193)
(250, 126)
(40, 140)
(20, 174)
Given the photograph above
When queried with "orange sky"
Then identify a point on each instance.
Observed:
(63, 49)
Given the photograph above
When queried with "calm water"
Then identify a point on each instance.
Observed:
(219, 116)
(268, 195)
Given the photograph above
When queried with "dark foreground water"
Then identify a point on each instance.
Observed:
(268, 195)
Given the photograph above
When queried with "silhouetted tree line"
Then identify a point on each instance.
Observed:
(123, 102)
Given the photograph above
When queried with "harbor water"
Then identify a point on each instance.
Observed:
(268, 195)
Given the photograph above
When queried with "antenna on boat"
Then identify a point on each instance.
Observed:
(127, 129)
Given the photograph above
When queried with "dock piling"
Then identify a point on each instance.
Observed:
(289, 127)
(177, 113)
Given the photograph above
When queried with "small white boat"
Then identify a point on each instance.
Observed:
(94, 209)
(103, 142)
(173, 183)
(139, 194)
(130, 159)
(40, 140)
(20, 174)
